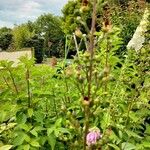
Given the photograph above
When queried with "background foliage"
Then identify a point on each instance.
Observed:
(55, 107)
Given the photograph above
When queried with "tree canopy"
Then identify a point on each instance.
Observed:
(21, 34)
(48, 26)
(5, 38)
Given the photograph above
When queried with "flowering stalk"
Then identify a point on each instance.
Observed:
(89, 79)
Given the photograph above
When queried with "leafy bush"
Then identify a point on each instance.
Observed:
(20, 35)
(5, 38)
(37, 43)
(40, 110)
(100, 101)
(48, 26)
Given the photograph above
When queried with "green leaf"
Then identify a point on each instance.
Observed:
(42, 140)
(52, 141)
(27, 138)
(132, 134)
(3, 116)
(25, 127)
(33, 132)
(105, 122)
(128, 146)
(50, 130)
(39, 116)
(57, 131)
(26, 147)
(6, 147)
(146, 144)
(134, 116)
(114, 137)
(63, 130)
(30, 112)
(11, 125)
(21, 118)
(58, 122)
(38, 128)
(35, 143)
(147, 131)
(114, 146)
(19, 139)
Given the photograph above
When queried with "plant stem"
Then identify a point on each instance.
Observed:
(6, 82)
(76, 44)
(106, 63)
(55, 107)
(89, 79)
(13, 80)
(28, 87)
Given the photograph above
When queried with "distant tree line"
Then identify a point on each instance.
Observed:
(49, 31)
(44, 34)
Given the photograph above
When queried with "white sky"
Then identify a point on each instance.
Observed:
(20, 11)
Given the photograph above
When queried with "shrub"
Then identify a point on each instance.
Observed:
(37, 43)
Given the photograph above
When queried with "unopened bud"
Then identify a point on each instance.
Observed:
(78, 33)
(79, 18)
(84, 9)
(106, 70)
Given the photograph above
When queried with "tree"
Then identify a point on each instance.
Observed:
(49, 27)
(5, 38)
(37, 43)
(76, 15)
(124, 14)
(21, 34)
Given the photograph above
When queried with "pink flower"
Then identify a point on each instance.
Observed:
(93, 136)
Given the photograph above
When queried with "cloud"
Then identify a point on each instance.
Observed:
(19, 11)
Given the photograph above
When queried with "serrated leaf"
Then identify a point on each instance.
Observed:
(52, 141)
(50, 130)
(128, 146)
(147, 131)
(105, 122)
(63, 130)
(3, 116)
(57, 131)
(114, 137)
(42, 140)
(21, 118)
(39, 116)
(27, 138)
(26, 147)
(30, 112)
(35, 143)
(33, 132)
(6, 147)
(114, 146)
(11, 125)
(38, 128)
(58, 122)
(25, 127)
(146, 144)
(19, 139)
(133, 116)
(132, 134)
